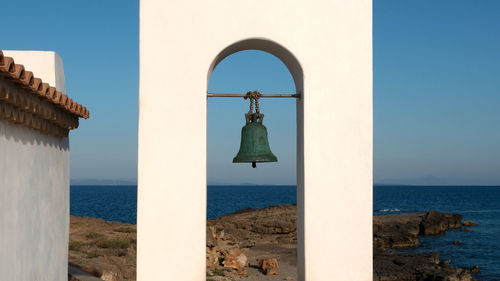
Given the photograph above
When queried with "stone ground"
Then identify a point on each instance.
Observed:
(76, 274)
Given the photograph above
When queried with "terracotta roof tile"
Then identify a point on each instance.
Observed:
(19, 75)
(28, 101)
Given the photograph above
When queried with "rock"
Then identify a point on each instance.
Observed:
(213, 256)
(269, 266)
(236, 259)
(214, 237)
(469, 223)
(475, 269)
(251, 224)
(456, 242)
(434, 223)
(402, 230)
(398, 262)
(467, 229)
(246, 243)
(396, 230)
(109, 276)
(406, 267)
(446, 262)
(288, 278)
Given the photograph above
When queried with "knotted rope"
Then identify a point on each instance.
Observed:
(253, 96)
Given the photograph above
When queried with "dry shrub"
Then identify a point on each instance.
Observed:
(114, 243)
(93, 235)
(127, 229)
(75, 245)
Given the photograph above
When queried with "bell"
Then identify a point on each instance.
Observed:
(254, 145)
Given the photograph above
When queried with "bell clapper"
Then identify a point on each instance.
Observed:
(254, 165)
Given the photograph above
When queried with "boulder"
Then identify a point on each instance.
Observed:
(469, 223)
(435, 223)
(109, 276)
(213, 256)
(269, 266)
(214, 236)
(237, 260)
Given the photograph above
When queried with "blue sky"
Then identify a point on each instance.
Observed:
(436, 91)
(241, 72)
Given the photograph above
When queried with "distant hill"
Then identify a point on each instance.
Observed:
(103, 182)
(434, 180)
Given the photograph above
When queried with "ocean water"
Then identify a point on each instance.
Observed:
(111, 203)
(479, 204)
(222, 200)
(119, 203)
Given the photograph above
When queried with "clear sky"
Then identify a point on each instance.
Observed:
(436, 91)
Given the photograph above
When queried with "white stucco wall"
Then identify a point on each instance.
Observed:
(46, 65)
(331, 41)
(34, 190)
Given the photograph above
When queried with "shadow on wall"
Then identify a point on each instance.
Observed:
(27, 136)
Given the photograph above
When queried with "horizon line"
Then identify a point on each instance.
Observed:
(374, 185)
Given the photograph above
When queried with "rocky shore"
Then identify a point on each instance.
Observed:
(262, 245)
(399, 231)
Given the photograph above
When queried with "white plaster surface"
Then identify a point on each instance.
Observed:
(34, 190)
(327, 46)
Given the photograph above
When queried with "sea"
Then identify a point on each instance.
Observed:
(481, 204)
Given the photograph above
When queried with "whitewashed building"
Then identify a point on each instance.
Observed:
(35, 118)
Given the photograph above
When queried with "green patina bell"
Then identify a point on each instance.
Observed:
(254, 145)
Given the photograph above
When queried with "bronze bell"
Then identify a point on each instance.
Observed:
(254, 145)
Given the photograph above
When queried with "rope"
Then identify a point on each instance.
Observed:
(253, 96)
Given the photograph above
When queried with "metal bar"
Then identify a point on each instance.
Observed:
(211, 95)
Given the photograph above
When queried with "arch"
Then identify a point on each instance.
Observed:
(295, 69)
(265, 45)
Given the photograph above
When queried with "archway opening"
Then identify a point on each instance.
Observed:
(265, 232)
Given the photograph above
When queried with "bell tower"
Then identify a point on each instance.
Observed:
(327, 46)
